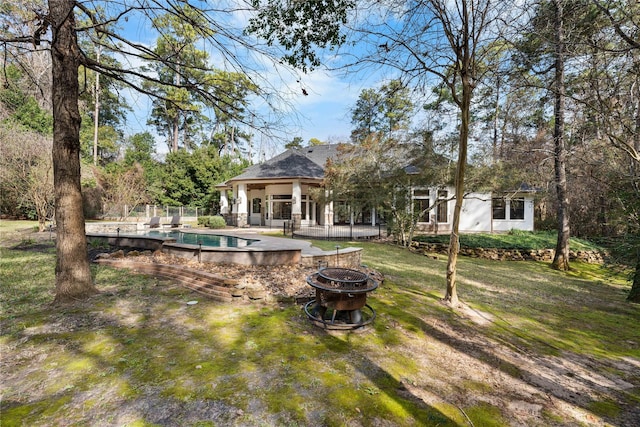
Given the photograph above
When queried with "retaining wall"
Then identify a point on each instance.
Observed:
(243, 256)
(547, 255)
(347, 258)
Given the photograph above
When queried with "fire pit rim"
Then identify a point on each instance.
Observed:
(371, 285)
(363, 276)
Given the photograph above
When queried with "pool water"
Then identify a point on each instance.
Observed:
(214, 240)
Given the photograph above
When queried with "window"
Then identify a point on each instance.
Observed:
(499, 207)
(421, 204)
(280, 206)
(442, 211)
(281, 210)
(516, 209)
(255, 205)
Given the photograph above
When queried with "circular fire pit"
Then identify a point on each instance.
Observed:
(341, 298)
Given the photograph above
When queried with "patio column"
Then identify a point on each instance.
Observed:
(296, 202)
(241, 206)
(224, 202)
(328, 211)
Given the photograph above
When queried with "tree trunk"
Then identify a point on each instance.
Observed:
(96, 112)
(451, 296)
(176, 120)
(634, 294)
(561, 257)
(73, 276)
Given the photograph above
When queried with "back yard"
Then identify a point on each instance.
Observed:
(531, 347)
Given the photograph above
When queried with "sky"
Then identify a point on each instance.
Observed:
(323, 113)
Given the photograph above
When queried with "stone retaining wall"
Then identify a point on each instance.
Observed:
(591, 257)
(346, 258)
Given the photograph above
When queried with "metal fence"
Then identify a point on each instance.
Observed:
(149, 211)
(334, 232)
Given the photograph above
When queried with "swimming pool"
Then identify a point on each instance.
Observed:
(211, 240)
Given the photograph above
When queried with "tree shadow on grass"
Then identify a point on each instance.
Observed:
(571, 379)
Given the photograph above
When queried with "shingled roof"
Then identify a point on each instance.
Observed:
(307, 162)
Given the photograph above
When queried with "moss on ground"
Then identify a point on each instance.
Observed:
(137, 348)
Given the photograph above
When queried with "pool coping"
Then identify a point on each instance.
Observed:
(267, 250)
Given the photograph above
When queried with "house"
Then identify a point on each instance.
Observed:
(281, 189)
(481, 212)
(278, 190)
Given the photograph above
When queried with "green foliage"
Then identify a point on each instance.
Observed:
(189, 178)
(300, 27)
(296, 142)
(24, 108)
(515, 239)
(381, 111)
(179, 104)
(140, 148)
(231, 91)
(32, 116)
(109, 141)
(215, 221)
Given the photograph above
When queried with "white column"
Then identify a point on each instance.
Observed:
(241, 199)
(296, 195)
(224, 202)
(328, 211)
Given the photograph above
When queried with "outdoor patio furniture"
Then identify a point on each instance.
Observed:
(154, 222)
(175, 222)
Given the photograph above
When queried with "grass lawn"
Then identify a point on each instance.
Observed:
(531, 346)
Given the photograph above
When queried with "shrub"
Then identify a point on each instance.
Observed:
(212, 221)
(217, 222)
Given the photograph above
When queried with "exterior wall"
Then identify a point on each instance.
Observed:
(476, 213)
(504, 225)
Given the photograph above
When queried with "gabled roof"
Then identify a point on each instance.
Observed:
(306, 162)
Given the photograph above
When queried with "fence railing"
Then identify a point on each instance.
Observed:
(333, 232)
(149, 211)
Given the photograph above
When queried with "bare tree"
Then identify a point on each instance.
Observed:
(431, 41)
(26, 171)
(124, 187)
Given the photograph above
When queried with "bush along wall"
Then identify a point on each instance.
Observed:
(215, 221)
(591, 257)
